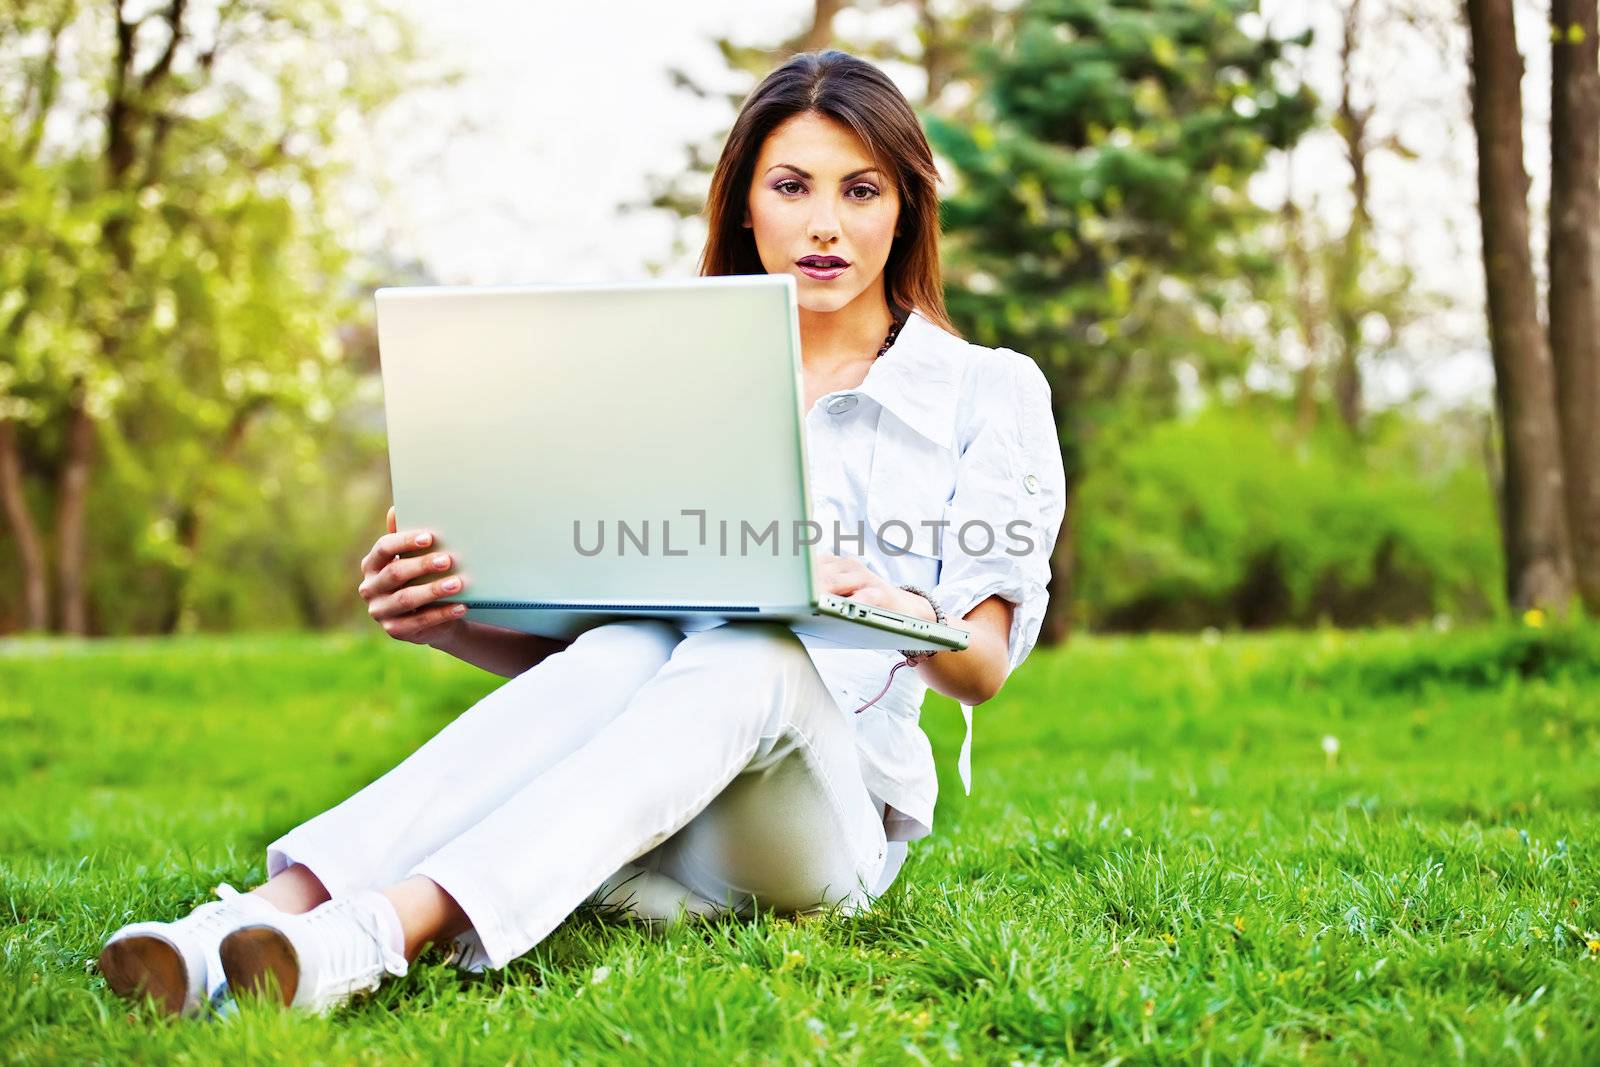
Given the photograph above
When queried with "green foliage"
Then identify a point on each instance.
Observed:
(1561, 659)
(1334, 847)
(183, 272)
(1101, 221)
(287, 521)
(1229, 519)
(203, 296)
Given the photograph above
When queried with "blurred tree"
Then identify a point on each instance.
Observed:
(683, 193)
(1347, 301)
(1363, 287)
(1575, 274)
(169, 260)
(1102, 225)
(941, 50)
(1538, 556)
(1352, 121)
(1303, 302)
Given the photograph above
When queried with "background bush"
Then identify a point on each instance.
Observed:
(1230, 518)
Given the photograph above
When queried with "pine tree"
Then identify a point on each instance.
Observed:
(1100, 222)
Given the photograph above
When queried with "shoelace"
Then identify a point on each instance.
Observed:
(209, 916)
(350, 933)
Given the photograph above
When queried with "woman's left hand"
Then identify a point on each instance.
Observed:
(847, 576)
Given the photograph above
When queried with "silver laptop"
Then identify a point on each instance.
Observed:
(595, 451)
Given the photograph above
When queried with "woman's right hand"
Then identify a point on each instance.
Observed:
(408, 612)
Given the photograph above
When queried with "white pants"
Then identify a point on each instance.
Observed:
(715, 764)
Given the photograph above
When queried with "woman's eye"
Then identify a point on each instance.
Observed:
(790, 186)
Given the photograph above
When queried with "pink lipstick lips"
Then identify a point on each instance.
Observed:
(822, 268)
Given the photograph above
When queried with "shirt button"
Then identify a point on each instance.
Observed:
(841, 404)
(1031, 483)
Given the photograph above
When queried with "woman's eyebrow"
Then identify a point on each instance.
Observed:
(807, 177)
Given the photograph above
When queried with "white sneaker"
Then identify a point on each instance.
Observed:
(177, 962)
(317, 960)
(466, 953)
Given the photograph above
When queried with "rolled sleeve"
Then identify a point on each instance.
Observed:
(1010, 480)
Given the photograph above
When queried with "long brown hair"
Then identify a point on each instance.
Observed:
(857, 94)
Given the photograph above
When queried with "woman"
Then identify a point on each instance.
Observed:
(667, 774)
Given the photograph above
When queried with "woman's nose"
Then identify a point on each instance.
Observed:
(824, 221)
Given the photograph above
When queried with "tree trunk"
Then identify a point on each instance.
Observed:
(72, 492)
(819, 34)
(1057, 624)
(1347, 295)
(1306, 313)
(1575, 274)
(72, 503)
(13, 498)
(1495, 473)
(190, 522)
(307, 599)
(1539, 567)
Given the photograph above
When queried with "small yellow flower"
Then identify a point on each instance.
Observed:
(1149, 1008)
(1594, 945)
(1533, 617)
(1238, 923)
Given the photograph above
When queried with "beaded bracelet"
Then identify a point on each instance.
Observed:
(916, 656)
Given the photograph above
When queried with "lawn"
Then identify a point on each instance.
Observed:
(1330, 847)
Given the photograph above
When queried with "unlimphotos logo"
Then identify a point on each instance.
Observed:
(892, 537)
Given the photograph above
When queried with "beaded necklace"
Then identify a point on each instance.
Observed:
(894, 330)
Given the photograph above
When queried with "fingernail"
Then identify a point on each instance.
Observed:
(424, 539)
(440, 560)
(451, 585)
(459, 609)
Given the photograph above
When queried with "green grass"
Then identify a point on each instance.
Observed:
(1159, 862)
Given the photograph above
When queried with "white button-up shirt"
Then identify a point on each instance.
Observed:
(940, 431)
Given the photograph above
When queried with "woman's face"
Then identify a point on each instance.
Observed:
(816, 192)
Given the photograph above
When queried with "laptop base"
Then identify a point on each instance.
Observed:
(874, 629)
